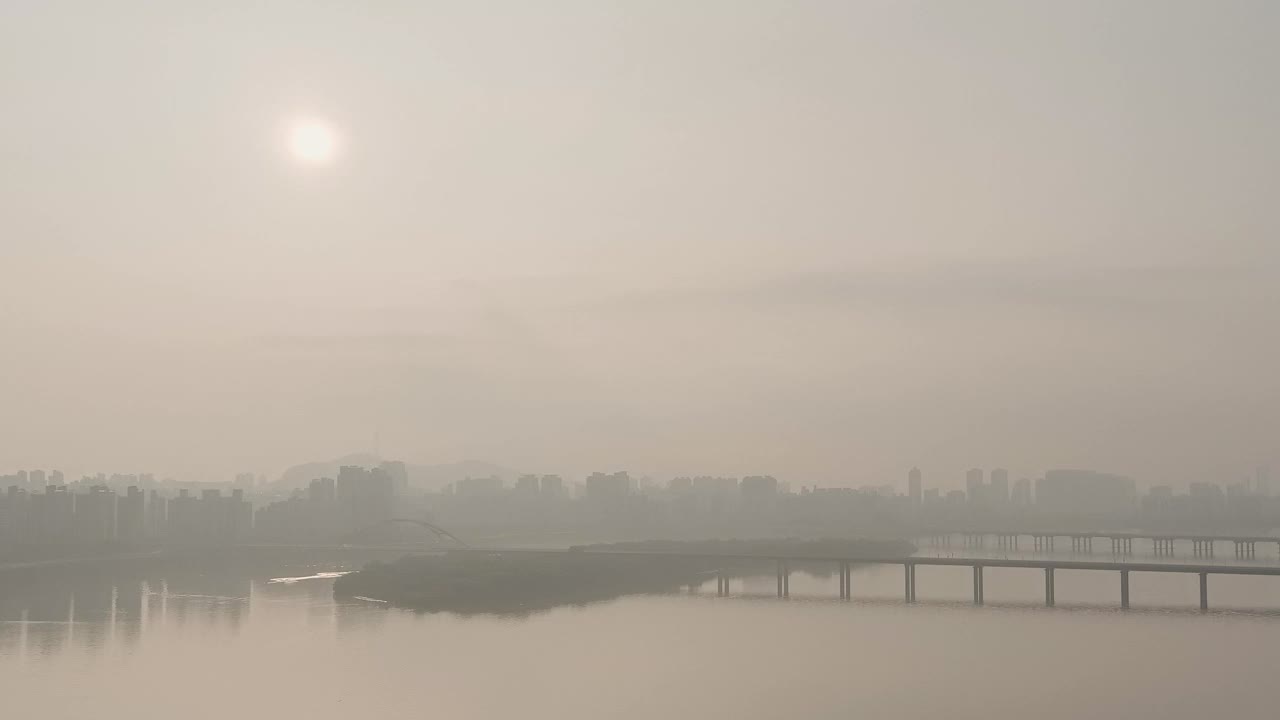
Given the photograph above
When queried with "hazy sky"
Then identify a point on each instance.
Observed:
(823, 240)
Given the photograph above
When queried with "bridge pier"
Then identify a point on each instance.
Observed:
(1048, 587)
(786, 579)
(909, 581)
(1204, 592)
(844, 581)
(721, 585)
(977, 585)
(1246, 548)
(781, 564)
(1124, 589)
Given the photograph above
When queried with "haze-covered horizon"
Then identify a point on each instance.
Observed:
(825, 241)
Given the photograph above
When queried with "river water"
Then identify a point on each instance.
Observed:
(231, 645)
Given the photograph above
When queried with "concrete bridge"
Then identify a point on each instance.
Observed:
(909, 565)
(1082, 541)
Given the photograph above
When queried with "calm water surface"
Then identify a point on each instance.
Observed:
(230, 646)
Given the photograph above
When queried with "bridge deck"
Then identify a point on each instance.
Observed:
(914, 560)
(1127, 535)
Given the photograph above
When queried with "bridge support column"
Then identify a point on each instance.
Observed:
(1124, 589)
(1204, 591)
(786, 579)
(780, 565)
(1048, 587)
(908, 592)
(977, 585)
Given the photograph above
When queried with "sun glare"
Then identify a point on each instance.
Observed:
(313, 142)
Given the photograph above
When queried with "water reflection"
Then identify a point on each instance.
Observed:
(82, 648)
(104, 616)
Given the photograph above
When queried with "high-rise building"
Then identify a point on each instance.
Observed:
(1262, 480)
(369, 495)
(552, 486)
(95, 514)
(709, 485)
(1086, 492)
(52, 514)
(915, 486)
(1021, 492)
(15, 511)
(478, 486)
(131, 522)
(757, 489)
(399, 474)
(528, 486)
(157, 513)
(322, 491)
(608, 488)
(998, 489)
(973, 485)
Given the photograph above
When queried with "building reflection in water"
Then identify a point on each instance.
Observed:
(48, 616)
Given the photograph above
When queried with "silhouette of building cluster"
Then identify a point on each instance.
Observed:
(37, 509)
(358, 498)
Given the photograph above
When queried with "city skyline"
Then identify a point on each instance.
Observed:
(1252, 475)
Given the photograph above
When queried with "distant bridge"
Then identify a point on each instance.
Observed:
(909, 565)
(1082, 541)
(438, 531)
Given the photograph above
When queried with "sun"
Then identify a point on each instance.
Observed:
(313, 141)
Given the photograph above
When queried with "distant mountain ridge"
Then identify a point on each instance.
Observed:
(423, 477)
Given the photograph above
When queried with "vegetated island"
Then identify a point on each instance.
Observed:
(475, 581)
